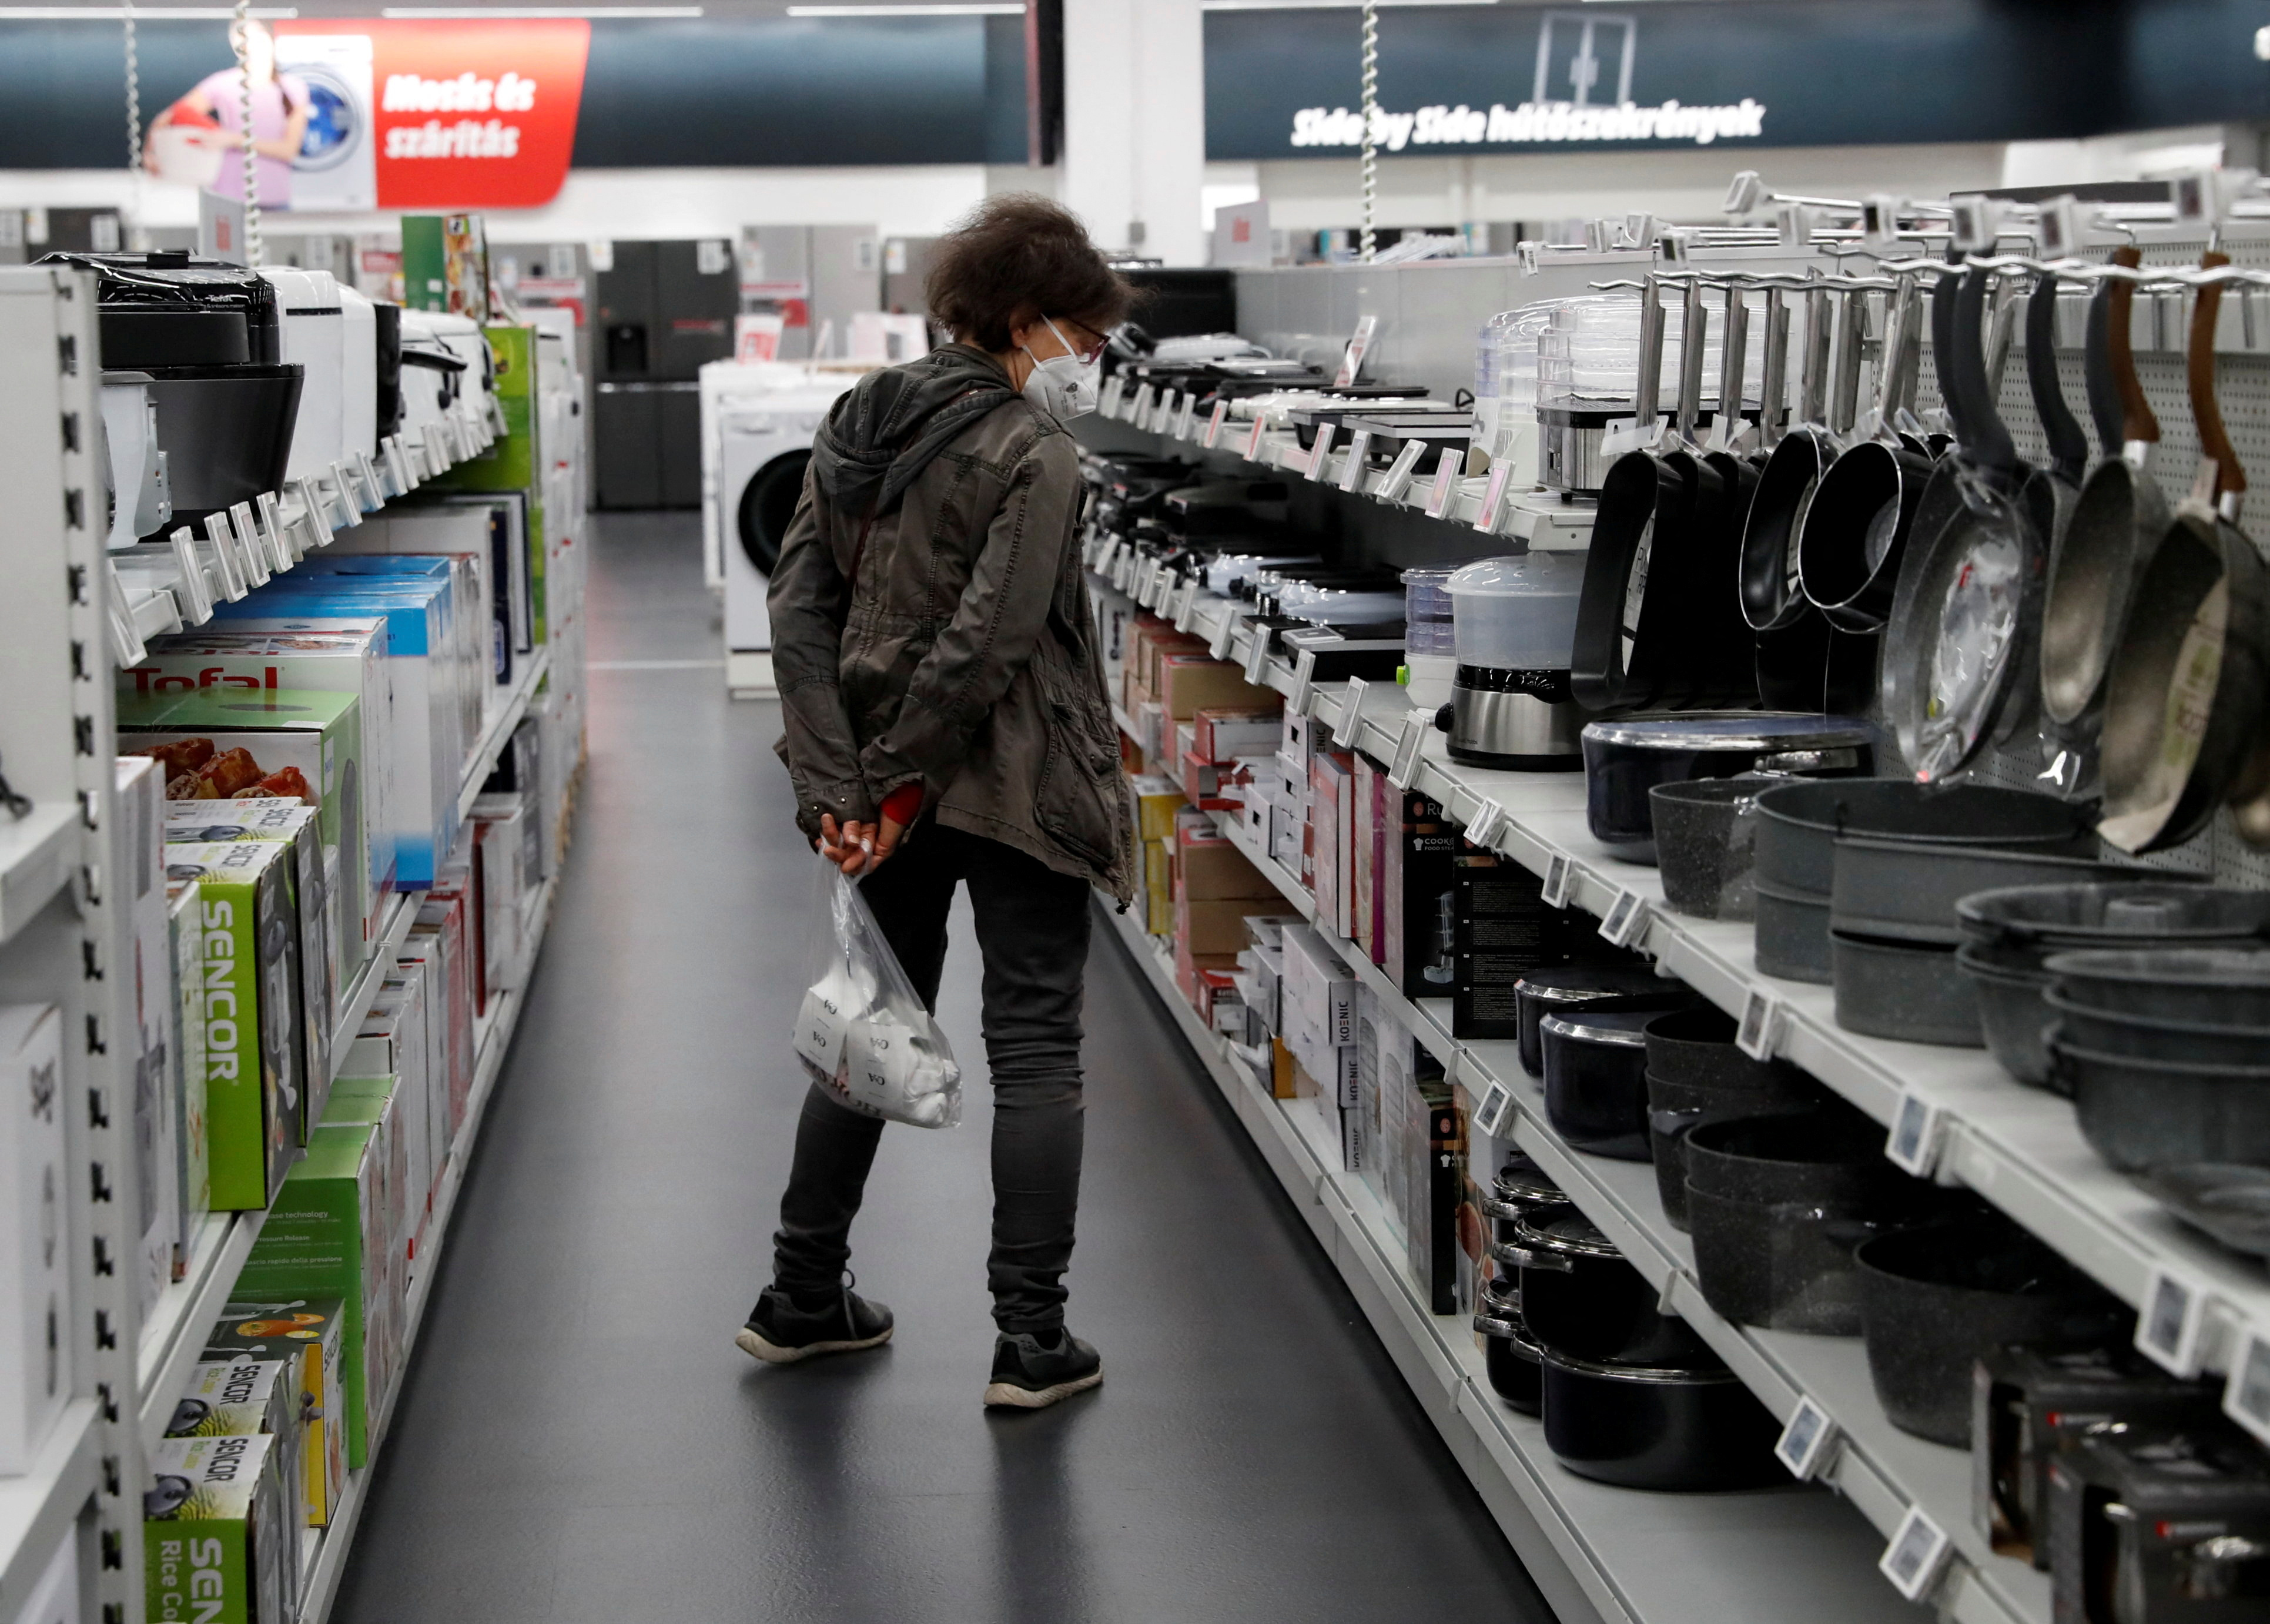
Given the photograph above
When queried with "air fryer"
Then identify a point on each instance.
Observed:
(767, 506)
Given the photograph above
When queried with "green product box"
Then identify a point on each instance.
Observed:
(248, 1398)
(310, 1333)
(515, 462)
(254, 1062)
(326, 1236)
(218, 1545)
(193, 1176)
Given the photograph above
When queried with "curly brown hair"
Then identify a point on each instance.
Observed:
(1016, 258)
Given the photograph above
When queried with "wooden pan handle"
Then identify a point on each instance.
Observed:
(2207, 411)
(2137, 422)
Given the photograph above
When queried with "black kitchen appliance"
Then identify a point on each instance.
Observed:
(665, 310)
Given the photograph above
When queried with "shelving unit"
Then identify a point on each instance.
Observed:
(36, 854)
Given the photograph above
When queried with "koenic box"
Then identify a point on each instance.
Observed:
(36, 1363)
(310, 1333)
(219, 1544)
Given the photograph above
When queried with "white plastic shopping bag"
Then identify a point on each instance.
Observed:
(862, 1032)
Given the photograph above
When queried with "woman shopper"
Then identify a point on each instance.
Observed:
(947, 725)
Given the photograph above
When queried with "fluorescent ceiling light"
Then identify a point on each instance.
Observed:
(484, 12)
(141, 14)
(994, 10)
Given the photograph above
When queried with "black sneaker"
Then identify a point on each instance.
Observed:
(780, 1334)
(1030, 1375)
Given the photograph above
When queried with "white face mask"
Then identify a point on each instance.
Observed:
(1060, 385)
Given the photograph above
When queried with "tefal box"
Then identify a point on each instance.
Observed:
(309, 1332)
(220, 1545)
(35, 1339)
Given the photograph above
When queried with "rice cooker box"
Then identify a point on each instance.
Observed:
(248, 1397)
(220, 1544)
(256, 1082)
(35, 1355)
(309, 1333)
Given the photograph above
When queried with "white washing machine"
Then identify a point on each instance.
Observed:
(757, 421)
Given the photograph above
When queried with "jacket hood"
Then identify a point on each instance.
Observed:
(895, 422)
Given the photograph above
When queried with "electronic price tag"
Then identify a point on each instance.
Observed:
(195, 592)
(1913, 1143)
(1358, 342)
(1913, 1558)
(1358, 457)
(1626, 920)
(1351, 722)
(1257, 658)
(1805, 1442)
(1162, 418)
(311, 503)
(1487, 823)
(226, 574)
(1320, 453)
(1760, 1028)
(270, 549)
(1495, 1105)
(2171, 1326)
(1253, 440)
(1142, 413)
(272, 520)
(1114, 387)
(403, 477)
(1559, 871)
(1186, 605)
(1187, 427)
(1122, 567)
(1492, 495)
(1399, 472)
(1304, 676)
(1404, 767)
(1223, 635)
(1214, 424)
(1446, 482)
(2246, 1396)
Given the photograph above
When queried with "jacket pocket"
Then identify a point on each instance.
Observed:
(1079, 800)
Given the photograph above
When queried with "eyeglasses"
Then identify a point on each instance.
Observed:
(1086, 357)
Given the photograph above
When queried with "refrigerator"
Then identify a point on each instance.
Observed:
(664, 309)
(814, 277)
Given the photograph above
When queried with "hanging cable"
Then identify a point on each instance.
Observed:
(242, 31)
(1370, 120)
(133, 107)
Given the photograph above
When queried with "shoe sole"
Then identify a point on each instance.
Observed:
(773, 1354)
(1009, 1396)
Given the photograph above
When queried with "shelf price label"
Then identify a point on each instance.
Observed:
(1214, 424)
(1760, 1028)
(1358, 457)
(1186, 607)
(1399, 471)
(1559, 871)
(1320, 453)
(1186, 426)
(1487, 823)
(1495, 1106)
(1142, 413)
(2173, 1322)
(2246, 1396)
(1257, 658)
(1304, 678)
(1446, 482)
(1804, 1443)
(1359, 345)
(1917, 1127)
(1626, 920)
(1350, 724)
(1224, 634)
(1492, 496)
(1918, 1552)
(1114, 387)
(1405, 764)
(1253, 440)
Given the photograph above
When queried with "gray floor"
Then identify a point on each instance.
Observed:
(580, 1441)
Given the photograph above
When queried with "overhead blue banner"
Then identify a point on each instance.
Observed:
(1531, 78)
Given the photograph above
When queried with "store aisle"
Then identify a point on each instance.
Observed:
(580, 1442)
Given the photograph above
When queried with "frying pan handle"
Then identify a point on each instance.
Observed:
(1845, 404)
(1773, 386)
(1942, 349)
(1694, 328)
(1987, 440)
(1812, 373)
(2139, 427)
(2096, 367)
(1733, 358)
(2068, 445)
(1647, 394)
(2207, 411)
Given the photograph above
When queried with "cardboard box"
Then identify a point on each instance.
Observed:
(1188, 683)
(36, 1241)
(1419, 910)
(220, 1542)
(1374, 797)
(1438, 1185)
(1281, 1068)
(255, 1078)
(1208, 866)
(310, 1333)
(248, 1398)
(1332, 783)
(325, 1237)
(327, 958)
(1223, 733)
(1214, 928)
(193, 1187)
(1157, 800)
(1503, 931)
(395, 1042)
(137, 869)
(305, 742)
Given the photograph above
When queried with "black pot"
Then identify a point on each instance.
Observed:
(1521, 1190)
(1561, 990)
(1686, 1429)
(1511, 1355)
(1776, 1205)
(1706, 845)
(1626, 757)
(1936, 1300)
(226, 431)
(1581, 1298)
(1595, 1080)
(1695, 1075)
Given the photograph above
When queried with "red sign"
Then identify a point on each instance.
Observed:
(466, 114)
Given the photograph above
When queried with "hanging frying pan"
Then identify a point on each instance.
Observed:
(1951, 646)
(1628, 620)
(1848, 547)
(2185, 692)
(2117, 519)
(1712, 666)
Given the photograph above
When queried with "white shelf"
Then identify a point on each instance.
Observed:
(38, 1509)
(173, 1335)
(2019, 1148)
(320, 1584)
(1619, 1555)
(497, 730)
(35, 859)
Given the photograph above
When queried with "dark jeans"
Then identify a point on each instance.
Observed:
(1032, 929)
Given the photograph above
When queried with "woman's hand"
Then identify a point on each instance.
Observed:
(857, 848)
